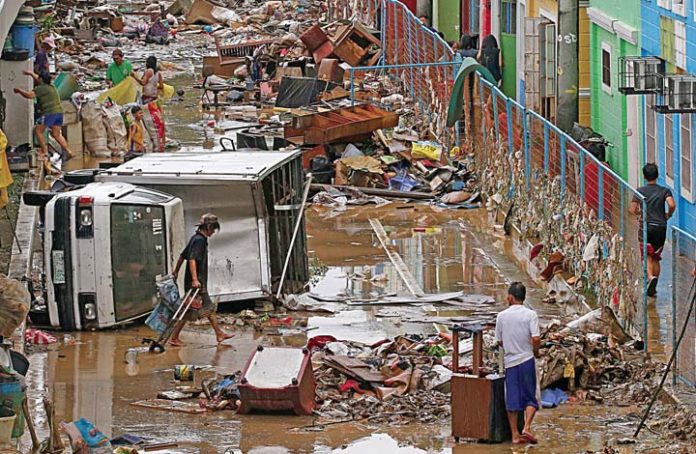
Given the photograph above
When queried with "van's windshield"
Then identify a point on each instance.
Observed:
(138, 255)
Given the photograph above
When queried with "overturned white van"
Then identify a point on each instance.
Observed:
(257, 197)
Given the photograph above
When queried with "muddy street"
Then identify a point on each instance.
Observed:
(87, 374)
(323, 226)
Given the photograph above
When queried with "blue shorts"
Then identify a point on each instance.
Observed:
(51, 120)
(520, 386)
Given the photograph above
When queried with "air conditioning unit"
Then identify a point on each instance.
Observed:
(679, 94)
(641, 75)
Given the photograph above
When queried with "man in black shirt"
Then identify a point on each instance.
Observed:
(656, 197)
(195, 254)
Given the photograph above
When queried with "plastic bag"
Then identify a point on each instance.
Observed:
(159, 318)
(14, 305)
(126, 92)
(426, 150)
(93, 129)
(167, 93)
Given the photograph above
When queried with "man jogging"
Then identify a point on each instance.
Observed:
(517, 332)
(656, 197)
(195, 254)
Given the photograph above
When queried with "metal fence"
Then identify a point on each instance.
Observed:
(683, 275)
(565, 199)
(563, 196)
(408, 52)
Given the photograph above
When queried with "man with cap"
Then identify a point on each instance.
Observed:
(119, 69)
(195, 254)
(41, 59)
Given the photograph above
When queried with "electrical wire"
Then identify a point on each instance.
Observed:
(671, 359)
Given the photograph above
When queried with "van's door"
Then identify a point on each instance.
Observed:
(138, 256)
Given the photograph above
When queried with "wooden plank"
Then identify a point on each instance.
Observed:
(170, 405)
(386, 193)
(396, 260)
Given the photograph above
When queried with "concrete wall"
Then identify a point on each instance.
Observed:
(656, 24)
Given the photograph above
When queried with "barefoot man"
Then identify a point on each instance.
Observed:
(196, 257)
(517, 331)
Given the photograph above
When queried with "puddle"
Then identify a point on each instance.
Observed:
(91, 379)
(444, 251)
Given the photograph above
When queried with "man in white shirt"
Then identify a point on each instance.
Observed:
(517, 332)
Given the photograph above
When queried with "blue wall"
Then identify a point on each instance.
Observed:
(685, 217)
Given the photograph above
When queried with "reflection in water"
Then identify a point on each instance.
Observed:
(91, 378)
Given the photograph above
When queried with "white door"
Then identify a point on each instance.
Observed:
(633, 142)
(521, 14)
(495, 20)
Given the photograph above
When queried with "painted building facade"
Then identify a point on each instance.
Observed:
(668, 30)
(615, 34)
(553, 51)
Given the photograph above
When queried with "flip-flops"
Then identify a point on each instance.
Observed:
(529, 437)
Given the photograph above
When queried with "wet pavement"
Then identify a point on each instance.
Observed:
(445, 250)
(87, 375)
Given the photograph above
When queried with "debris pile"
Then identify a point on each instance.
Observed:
(392, 382)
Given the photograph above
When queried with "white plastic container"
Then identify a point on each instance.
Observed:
(6, 424)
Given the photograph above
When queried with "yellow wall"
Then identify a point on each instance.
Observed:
(584, 106)
(533, 7)
(551, 6)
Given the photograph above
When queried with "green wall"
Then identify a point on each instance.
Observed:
(609, 109)
(448, 19)
(508, 46)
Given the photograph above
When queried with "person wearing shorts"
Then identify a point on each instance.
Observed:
(51, 115)
(195, 254)
(517, 332)
(656, 197)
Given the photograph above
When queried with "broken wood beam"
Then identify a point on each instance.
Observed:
(385, 193)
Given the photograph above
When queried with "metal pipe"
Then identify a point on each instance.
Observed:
(298, 222)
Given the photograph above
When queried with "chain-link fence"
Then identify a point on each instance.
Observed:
(683, 278)
(565, 199)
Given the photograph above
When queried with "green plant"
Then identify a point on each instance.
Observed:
(48, 22)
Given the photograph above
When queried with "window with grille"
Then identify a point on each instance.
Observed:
(664, 4)
(680, 44)
(687, 156)
(679, 7)
(508, 18)
(474, 17)
(669, 148)
(606, 67)
(650, 129)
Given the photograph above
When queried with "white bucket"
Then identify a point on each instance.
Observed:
(6, 425)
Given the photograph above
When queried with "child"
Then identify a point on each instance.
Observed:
(136, 133)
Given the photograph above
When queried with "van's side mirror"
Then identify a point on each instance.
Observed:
(37, 198)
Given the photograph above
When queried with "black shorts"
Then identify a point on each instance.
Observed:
(207, 308)
(657, 235)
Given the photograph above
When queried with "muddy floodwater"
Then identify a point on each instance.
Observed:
(87, 375)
